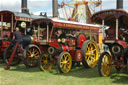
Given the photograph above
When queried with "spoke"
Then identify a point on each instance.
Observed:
(93, 59)
(93, 50)
(66, 57)
(33, 50)
(65, 66)
(94, 56)
(87, 53)
(44, 65)
(61, 62)
(29, 52)
(36, 54)
(87, 57)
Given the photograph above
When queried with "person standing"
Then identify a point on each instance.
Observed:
(17, 35)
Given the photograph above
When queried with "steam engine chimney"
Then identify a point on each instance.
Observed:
(24, 7)
(119, 4)
(55, 8)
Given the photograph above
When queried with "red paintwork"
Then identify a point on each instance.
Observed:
(5, 44)
(81, 39)
(78, 55)
(110, 16)
(7, 33)
(122, 43)
(56, 45)
(64, 47)
(75, 26)
(12, 55)
(73, 55)
(73, 43)
(66, 24)
(35, 39)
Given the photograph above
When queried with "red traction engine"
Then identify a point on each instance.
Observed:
(65, 43)
(9, 21)
(116, 38)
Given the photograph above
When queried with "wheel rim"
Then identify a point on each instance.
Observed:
(32, 56)
(65, 62)
(46, 63)
(15, 59)
(106, 65)
(91, 54)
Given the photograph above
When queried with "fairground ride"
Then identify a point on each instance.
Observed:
(79, 10)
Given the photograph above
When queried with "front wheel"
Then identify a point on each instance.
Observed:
(7, 54)
(64, 62)
(104, 64)
(45, 62)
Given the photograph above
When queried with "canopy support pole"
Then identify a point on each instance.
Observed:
(90, 34)
(12, 24)
(47, 32)
(103, 28)
(117, 25)
(102, 47)
(38, 32)
(2, 22)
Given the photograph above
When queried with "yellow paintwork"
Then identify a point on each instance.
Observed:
(106, 65)
(45, 63)
(65, 62)
(91, 54)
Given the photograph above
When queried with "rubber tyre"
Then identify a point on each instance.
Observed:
(100, 62)
(50, 61)
(59, 62)
(84, 49)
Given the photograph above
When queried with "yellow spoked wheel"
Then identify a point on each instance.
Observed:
(45, 63)
(89, 54)
(105, 64)
(32, 54)
(64, 62)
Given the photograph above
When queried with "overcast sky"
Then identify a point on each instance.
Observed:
(37, 6)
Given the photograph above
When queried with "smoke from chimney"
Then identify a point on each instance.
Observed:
(55, 8)
(24, 6)
(119, 4)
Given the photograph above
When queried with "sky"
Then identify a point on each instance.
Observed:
(37, 6)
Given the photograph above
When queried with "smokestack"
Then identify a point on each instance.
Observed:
(119, 4)
(24, 7)
(55, 8)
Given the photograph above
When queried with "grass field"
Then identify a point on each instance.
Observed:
(19, 75)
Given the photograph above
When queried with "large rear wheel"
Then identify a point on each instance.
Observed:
(32, 53)
(64, 62)
(105, 64)
(89, 54)
(7, 54)
(45, 62)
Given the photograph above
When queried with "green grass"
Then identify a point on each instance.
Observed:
(19, 75)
